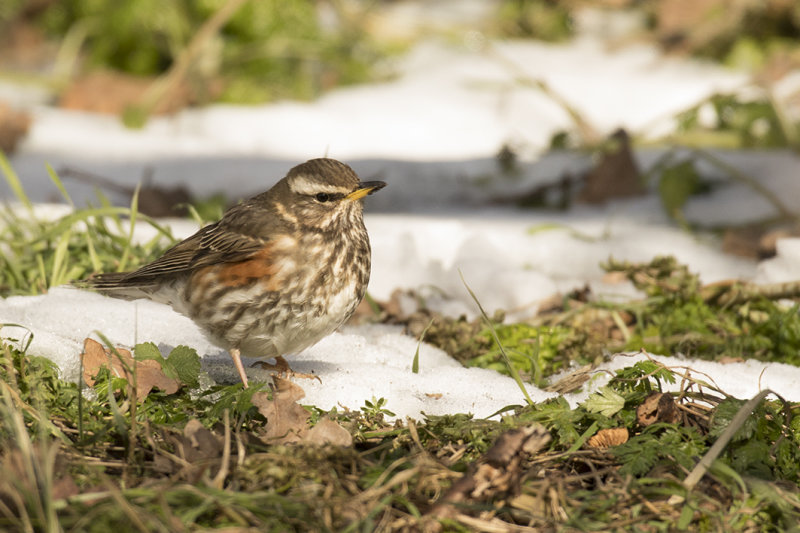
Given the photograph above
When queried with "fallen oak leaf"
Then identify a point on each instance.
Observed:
(195, 449)
(287, 421)
(326, 431)
(205, 443)
(121, 364)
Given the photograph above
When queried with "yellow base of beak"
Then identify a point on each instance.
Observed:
(365, 189)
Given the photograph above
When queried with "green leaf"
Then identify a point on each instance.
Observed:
(233, 398)
(415, 362)
(638, 455)
(147, 350)
(185, 364)
(605, 401)
(182, 365)
(685, 519)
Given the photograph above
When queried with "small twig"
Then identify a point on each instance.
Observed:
(219, 479)
(741, 177)
(735, 292)
(412, 431)
(94, 179)
(497, 472)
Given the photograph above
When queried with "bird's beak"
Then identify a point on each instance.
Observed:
(365, 188)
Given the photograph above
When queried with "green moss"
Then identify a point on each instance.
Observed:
(536, 352)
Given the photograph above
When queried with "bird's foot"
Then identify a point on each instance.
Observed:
(281, 367)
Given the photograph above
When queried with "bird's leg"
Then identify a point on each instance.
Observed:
(237, 361)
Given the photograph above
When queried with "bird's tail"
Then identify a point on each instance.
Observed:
(118, 285)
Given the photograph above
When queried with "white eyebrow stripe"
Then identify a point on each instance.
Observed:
(302, 185)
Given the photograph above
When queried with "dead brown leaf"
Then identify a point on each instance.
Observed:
(605, 438)
(755, 241)
(148, 373)
(13, 127)
(193, 452)
(658, 407)
(287, 421)
(205, 442)
(326, 431)
(768, 243)
(616, 175)
(113, 92)
(18, 477)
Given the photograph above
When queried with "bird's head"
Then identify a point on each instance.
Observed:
(324, 194)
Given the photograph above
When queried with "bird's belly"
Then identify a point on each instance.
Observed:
(304, 324)
(268, 325)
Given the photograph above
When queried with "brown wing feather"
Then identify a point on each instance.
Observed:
(225, 241)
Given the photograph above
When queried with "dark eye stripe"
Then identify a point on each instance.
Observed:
(323, 197)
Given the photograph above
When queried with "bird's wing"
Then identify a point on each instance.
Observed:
(229, 240)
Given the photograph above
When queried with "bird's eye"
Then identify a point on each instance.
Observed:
(322, 197)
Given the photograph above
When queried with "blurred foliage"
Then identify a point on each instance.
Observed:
(682, 174)
(729, 121)
(141, 37)
(678, 182)
(269, 49)
(743, 34)
(548, 20)
(10, 9)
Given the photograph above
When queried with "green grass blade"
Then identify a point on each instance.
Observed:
(60, 260)
(84, 215)
(415, 362)
(97, 266)
(511, 369)
(193, 213)
(13, 181)
(591, 430)
(133, 215)
(10, 270)
(59, 184)
(42, 274)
